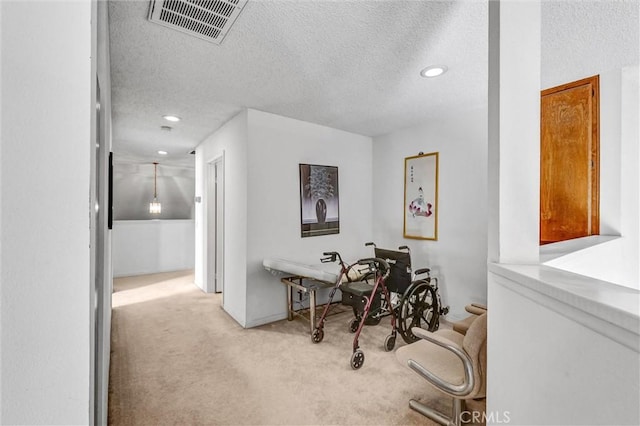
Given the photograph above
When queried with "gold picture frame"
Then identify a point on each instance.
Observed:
(421, 197)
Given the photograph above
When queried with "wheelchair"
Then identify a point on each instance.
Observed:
(414, 300)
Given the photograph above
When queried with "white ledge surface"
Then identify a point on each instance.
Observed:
(553, 251)
(607, 308)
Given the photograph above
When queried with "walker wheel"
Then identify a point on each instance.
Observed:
(317, 336)
(357, 359)
(353, 325)
(389, 343)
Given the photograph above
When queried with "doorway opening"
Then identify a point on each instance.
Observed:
(570, 161)
(214, 243)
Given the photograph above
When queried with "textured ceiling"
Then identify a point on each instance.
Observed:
(350, 65)
(584, 38)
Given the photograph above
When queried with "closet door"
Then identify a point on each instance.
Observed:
(569, 161)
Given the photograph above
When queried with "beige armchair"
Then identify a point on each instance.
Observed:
(455, 364)
(475, 310)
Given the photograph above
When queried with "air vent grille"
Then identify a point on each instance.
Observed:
(206, 19)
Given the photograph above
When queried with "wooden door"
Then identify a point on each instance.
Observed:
(569, 161)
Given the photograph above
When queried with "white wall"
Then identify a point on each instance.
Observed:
(262, 204)
(459, 257)
(231, 141)
(133, 191)
(46, 107)
(1, 258)
(629, 174)
(569, 343)
(277, 145)
(514, 131)
(151, 246)
(562, 359)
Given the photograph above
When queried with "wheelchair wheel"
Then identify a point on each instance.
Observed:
(418, 308)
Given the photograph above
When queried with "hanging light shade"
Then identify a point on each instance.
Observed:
(154, 206)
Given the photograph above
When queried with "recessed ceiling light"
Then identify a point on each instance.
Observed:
(171, 118)
(433, 71)
(162, 152)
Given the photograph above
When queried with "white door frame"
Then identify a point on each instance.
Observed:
(214, 227)
(100, 263)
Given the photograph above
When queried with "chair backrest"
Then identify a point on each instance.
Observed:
(475, 345)
(400, 264)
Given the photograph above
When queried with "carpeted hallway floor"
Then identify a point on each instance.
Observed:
(178, 359)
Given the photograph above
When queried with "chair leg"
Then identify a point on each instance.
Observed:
(437, 416)
(457, 411)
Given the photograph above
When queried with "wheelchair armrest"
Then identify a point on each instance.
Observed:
(421, 271)
(459, 390)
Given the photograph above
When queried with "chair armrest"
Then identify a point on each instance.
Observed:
(458, 390)
(476, 309)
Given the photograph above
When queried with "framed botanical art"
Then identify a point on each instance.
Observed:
(319, 203)
(421, 196)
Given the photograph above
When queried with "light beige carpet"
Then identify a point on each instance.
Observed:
(178, 359)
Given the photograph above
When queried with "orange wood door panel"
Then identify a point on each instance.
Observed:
(569, 161)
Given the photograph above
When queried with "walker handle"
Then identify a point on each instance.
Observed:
(331, 257)
(376, 263)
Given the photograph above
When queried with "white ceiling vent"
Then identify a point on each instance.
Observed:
(206, 19)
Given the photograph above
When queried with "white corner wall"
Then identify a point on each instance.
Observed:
(277, 145)
(231, 141)
(151, 246)
(459, 257)
(262, 205)
(45, 81)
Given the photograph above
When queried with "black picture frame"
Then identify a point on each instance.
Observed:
(110, 194)
(319, 200)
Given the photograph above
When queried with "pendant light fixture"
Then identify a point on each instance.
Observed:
(154, 206)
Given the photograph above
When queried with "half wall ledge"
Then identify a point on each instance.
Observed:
(609, 309)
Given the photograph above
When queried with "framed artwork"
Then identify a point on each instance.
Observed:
(319, 203)
(421, 196)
